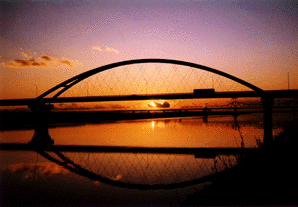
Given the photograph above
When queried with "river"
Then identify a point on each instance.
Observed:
(27, 178)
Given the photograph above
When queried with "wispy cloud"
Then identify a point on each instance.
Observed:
(41, 61)
(97, 48)
(65, 62)
(107, 49)
(52, 59)
(23, 63)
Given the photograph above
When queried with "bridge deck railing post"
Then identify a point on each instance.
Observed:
(267, 111)
(41, 131)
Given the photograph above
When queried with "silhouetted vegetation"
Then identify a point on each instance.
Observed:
(268, 177)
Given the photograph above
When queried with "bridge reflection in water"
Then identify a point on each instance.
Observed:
(142, 170)
(140, 167)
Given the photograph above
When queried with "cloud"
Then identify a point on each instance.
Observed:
(96, 182)
(38, 170)
(157, 104)
(43, 61)
(24, 54)
(51, 59)
(22, 63)
(108, 49)
(31, 59)
(117, 106)
(118, 177)
(97, 48)
(46, 58)
(115, 178)
(66, 62)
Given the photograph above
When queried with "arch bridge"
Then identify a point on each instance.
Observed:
(184, 85)
(39, 108)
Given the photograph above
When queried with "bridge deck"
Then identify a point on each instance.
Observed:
(232, 94)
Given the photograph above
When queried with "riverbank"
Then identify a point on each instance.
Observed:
(269, 177)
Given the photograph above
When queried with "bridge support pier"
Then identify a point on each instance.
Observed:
(41, 131)
(235, 115)
(267, 111)
(205, 119)
(205, 114)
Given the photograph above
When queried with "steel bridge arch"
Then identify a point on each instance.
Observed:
(64, 86)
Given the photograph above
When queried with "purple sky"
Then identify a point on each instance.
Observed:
(48, 41)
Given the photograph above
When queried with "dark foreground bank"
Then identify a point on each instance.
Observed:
(269, 177)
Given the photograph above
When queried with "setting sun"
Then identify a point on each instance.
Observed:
(152, 104)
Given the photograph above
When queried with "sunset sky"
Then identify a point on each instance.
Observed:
(44, 42)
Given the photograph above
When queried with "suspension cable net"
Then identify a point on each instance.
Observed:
(151, 78)
(143, 170)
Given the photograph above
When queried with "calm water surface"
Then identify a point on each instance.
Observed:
(27, 178)
(185, 132)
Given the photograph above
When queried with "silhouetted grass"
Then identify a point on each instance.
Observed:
(268, 177)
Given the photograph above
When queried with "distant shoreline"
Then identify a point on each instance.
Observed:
(25, 120)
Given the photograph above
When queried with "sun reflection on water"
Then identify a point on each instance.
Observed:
(153, 124)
